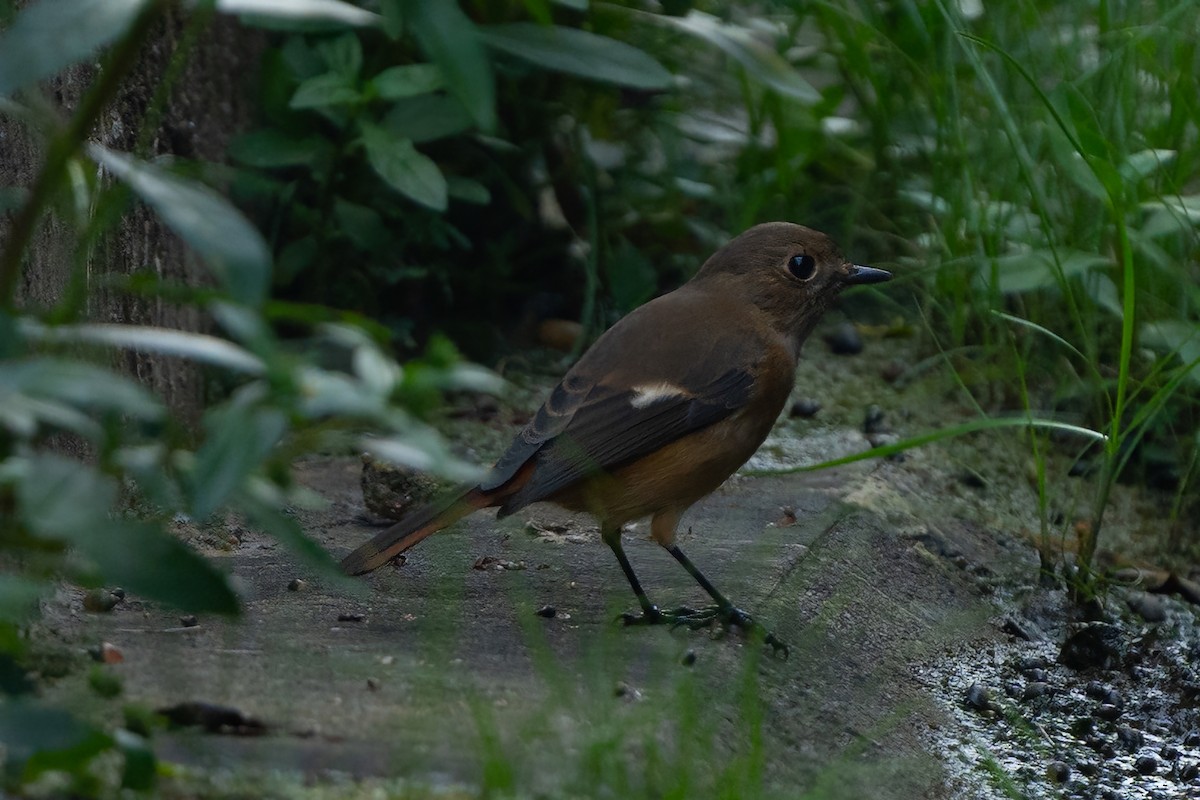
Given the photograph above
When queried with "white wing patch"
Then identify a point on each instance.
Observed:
(649, 393)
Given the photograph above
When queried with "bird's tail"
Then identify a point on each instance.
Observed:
(390, 543)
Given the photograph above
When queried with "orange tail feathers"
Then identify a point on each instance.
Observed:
(390, 543)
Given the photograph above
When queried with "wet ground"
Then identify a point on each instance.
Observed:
(924, 661)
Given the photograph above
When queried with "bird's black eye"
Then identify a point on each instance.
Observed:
(802, 266)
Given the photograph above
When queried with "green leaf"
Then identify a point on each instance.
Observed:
(1178, 337)
(265, 12)
(1026, 272)
(29, 728)
(238, 439)
(1144, 163)
(194, 346)
(79, 384)
(322, 91)
(59, 498)
(271, 148)
(141, 766)
(19, 597)
(342, 54)
(449, 38)
(395, 83)
(231, 246)
(52, 34)
(406, 170)
(578, 52)
(362, 225)
(740, 44)
(145, 559)
(426, 118)
(468, 191)
(423, 450)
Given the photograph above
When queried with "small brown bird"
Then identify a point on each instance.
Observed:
(663, 407)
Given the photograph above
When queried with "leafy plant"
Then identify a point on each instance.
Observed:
(72, 518)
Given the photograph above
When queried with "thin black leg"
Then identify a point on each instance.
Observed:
(650, 613)
(722, 602)
(725, 611)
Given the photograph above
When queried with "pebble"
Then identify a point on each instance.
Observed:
(893, 370)
(845, 340)
(1146, 765)
(373, 684)
(352, 616)
(1130, 738)
(189, 621)
(548, 612)
(1032, 662)
(101, 601)
(107, 653)
(1192, 739)
(1034, 690)
(978, 697)
(873, 420)
(1058, 771)
(1147, 606)
(1189, 772)
(296, 584)
(1107, 711)
(1093, 645)
(1169, 752)
(805, 407)
(689, 658)
(1036, 674)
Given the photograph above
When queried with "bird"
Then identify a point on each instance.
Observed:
(662, 408)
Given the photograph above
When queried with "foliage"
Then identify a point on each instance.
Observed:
(1045, 157)
(73, 518)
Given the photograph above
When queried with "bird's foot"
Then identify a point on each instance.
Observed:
(733, 617)
(653, 615)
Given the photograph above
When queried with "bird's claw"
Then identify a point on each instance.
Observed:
(727, 617)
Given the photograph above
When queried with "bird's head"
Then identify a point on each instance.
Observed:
(792, 273)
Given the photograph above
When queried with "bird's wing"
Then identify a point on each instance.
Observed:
(584, 429)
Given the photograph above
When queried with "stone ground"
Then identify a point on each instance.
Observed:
(437, 677)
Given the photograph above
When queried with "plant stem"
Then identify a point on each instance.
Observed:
(65, 145)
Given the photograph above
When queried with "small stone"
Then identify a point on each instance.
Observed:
(1016, 629)
(689, 658)
(1192, 739)
(1147, 606)
(978, 697)
(118, 592)
(1032, 662)
(387, 661)
(106, 653)
(1169, 752)
(893, 370)
(189, 621)
(547, 612)
(1091, 645)
(1130, 738)
(1146, 765)
(1189, 772)
(1058, 771)
(101, 601)
(845, 340)
(297, 584)
(873, 420)
(805, 407)
(972, 479)
(1082, 726)
(1034, 690)
(373, 684)
(1095, 690)
(623, 689)
(351, 616)
(1088, 768)
(1036, 674)
(1107, 711)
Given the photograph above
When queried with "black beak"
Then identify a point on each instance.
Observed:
(860, 274)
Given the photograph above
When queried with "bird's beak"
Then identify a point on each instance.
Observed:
(861, 274)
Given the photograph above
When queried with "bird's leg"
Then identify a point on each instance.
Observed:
(651, 614)
(724, 611)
